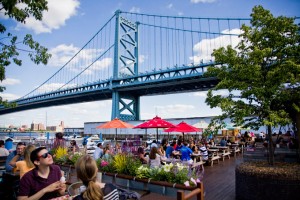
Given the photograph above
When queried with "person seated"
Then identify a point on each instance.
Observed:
(154, 144)
(3, 150)
(170, 149)
(42, 182)
(98, 153)
(25, 165)
(211, 142)
(193, 147)
(86, 169)
(106, 153)
(73, 147)
(15, 156)
(118, 148)
(203, 151)
(186, 153)
(155, 158)
(223, 142)
(141, 155)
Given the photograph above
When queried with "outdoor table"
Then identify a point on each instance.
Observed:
(172, 160)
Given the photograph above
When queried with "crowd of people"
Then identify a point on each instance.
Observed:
(41, 179)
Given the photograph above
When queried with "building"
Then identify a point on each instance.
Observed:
(59, 128)
(37, 127)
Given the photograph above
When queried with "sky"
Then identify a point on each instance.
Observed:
(69, 24)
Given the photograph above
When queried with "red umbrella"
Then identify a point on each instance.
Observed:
(115, 123)
(156, 122)
(183, 127)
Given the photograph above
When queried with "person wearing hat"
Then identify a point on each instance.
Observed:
(98, 151)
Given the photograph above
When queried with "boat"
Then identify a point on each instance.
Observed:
(95, 138)
(14, 140)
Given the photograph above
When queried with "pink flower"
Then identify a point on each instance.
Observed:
(198, 180)
(193, 181)
(103, 163)
(187, 183)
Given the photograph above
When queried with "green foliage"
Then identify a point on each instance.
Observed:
(10, 46)
(259, 74)
(257, 71)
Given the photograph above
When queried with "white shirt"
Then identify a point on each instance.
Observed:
(155, 162)
(98, 153)
(3, 152)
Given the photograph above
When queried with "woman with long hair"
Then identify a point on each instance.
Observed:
(26, 164)
(155, 158)
(86, 169)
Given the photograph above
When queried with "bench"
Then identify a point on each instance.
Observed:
(225, 153)
(198, 164)
(235, 150)
(214, 157)
(198, 192)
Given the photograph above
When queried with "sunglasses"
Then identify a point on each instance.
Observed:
(45, 155)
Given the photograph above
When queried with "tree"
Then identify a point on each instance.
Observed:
(260, 72)
(20, 10)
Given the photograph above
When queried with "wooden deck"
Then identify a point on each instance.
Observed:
(219, 181)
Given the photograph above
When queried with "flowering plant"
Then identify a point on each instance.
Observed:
(192, 182)
(61, 156)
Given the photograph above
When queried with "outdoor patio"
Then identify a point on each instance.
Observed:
(219, 181)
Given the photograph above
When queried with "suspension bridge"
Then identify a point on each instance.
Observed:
(134, 55)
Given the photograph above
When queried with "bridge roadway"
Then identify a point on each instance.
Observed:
(175, 80)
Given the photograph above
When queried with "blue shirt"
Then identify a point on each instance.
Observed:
(185, 153)
(8, 167)
(169, 151)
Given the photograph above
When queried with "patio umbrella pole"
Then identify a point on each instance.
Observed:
(116, 135)
(156, 134)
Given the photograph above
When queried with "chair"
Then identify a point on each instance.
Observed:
(74, 188)
(199, 192)
(2, 165)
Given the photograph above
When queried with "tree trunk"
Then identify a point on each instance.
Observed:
(270, 147)
(297, 134)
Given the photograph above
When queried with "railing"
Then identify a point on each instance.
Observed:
(198, 192)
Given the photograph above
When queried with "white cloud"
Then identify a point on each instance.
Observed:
(169, 6)
(202, 1)
(10, 81)
(63, 53)
(56, 16)
(173, 110)
(200, 94)
(135, 10)
(204, 48)
(9, 97)
(180, 13)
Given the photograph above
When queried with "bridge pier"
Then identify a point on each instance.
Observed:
(125, 107)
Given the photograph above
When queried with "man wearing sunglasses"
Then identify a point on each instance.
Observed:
(43, 182)
(15, 156)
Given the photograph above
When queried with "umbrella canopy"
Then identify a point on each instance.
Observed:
(156, 122)
(184, 128)
(115, 123)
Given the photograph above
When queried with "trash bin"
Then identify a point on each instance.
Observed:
(8, 144)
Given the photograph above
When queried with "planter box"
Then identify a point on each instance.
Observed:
(249, 187)
(160, 187)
